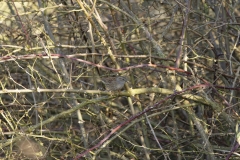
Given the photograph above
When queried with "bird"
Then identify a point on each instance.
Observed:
(114, 83)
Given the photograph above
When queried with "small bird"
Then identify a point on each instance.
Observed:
(114, 83)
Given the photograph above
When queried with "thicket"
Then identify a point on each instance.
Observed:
(181, 59)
